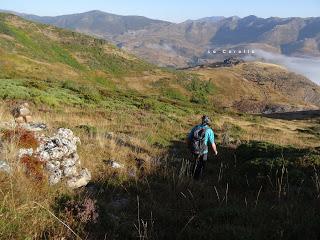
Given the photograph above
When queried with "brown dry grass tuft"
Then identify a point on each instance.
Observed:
(23, 138)
(33, 167)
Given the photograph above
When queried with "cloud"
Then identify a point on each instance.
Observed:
(307, 66)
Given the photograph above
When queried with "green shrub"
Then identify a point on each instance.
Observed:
(37, 84)
(199, 98)
(71, 85)
(4, 29)
(174, 94)
(10, 89)
(200, 90)
(90, 94)
(47, 100)
(62, 55)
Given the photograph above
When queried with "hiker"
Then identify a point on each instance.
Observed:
(200, 137)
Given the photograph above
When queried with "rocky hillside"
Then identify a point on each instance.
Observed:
(167, 43)
(99, 23)
(260, 87)
(187, 41)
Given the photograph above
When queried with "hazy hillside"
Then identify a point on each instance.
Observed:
(183, 42)
(97, 23)
(100, 23)
(260, 87)
(167, 43)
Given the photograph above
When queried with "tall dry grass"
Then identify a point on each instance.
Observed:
(26, 206)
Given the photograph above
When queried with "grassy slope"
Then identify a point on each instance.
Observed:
(261, 84)
(73, 80)
(53, 66)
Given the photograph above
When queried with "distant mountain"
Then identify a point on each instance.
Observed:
(208, 19)
(172, 44)
(99, 23)
(95, 22)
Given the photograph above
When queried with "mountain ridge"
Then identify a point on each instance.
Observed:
(180, 44)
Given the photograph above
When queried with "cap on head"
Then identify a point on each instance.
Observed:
(205, 120)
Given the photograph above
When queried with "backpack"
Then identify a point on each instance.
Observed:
(198, 144)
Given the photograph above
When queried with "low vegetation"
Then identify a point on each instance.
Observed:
(262, 189)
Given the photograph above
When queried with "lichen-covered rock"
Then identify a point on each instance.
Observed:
(81, 180)
(114, 164)
(70, 171)
(59, 153)
(70, 161)
(4, 167)
(34, 127)
(52, 166)
(44, 156)
(25, 152)
(55, 177)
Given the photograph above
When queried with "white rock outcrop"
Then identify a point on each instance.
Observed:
(25, 152)
(58, 153)
(61, 160)
(5, 167)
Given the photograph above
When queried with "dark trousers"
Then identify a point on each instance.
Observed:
(199, 165)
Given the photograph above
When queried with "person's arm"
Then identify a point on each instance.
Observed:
(214, 148)
(211, 139)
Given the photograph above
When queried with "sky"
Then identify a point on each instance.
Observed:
(170, 10)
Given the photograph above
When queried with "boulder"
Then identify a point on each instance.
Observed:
(52, 166)
(55, 176)
(22, 113)
(57, 153)
(25, 152)
(114, 164)
(81, 180)
(70, 171)
(34, 127)
(60, 158)
(4, 167)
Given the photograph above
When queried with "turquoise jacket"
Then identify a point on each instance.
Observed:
(209, 136)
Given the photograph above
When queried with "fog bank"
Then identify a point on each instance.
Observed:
(308, 66)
